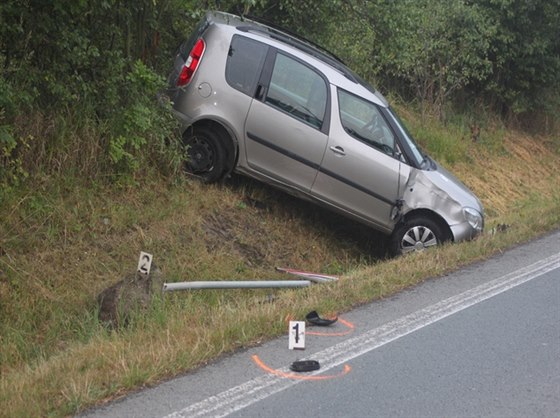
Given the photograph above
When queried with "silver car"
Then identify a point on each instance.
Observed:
(270, 105)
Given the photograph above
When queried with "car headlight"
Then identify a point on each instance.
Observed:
(474, 218)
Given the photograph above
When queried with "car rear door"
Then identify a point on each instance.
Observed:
(360, 173)
(287, 123)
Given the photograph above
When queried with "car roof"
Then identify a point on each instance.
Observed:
(336, 71)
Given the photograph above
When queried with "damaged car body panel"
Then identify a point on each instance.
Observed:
(438, 191)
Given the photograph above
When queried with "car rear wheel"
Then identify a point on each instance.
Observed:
(206, 155)
(416, 234)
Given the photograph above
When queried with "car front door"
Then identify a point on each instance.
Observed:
(360, 173)
(286, 125)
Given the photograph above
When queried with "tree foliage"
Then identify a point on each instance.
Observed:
(436, 47)
(524, 52)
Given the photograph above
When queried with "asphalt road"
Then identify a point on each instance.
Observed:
(484, 341)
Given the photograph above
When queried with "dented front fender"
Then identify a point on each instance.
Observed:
(438, 191)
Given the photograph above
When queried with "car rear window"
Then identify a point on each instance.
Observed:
(244, 63)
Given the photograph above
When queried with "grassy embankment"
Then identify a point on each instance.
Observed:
(62, 242)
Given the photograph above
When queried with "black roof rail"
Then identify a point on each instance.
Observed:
(292, 34)
(299, 42)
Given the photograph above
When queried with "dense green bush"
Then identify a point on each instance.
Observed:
(79, 84)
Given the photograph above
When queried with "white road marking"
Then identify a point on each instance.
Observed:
(257, 389)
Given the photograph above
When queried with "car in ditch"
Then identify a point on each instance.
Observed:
(259, 101)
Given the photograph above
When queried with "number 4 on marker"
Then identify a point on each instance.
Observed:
(296, 335)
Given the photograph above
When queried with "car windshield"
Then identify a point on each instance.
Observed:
(420, 159)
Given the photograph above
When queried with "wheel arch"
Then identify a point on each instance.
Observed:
(426, 213)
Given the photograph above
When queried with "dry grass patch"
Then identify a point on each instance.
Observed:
(528, 167)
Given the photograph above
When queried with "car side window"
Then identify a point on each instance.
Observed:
(297, 90)
(363, 120)
(244, 63)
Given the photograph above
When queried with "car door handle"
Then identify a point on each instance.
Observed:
(260, 93)
(338, 150)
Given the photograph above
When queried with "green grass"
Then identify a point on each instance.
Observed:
(62, 241)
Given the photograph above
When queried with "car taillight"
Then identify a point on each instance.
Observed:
(191, 64)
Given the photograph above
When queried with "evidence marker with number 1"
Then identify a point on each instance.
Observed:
(296, 335)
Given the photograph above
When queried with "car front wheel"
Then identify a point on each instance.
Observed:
(416, 234)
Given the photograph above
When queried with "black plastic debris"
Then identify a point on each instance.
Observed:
(305, 366)
(314, 318)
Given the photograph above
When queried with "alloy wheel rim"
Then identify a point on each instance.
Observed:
(418, 238)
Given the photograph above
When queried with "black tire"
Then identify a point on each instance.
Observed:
(206, 155)
(416, 234)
